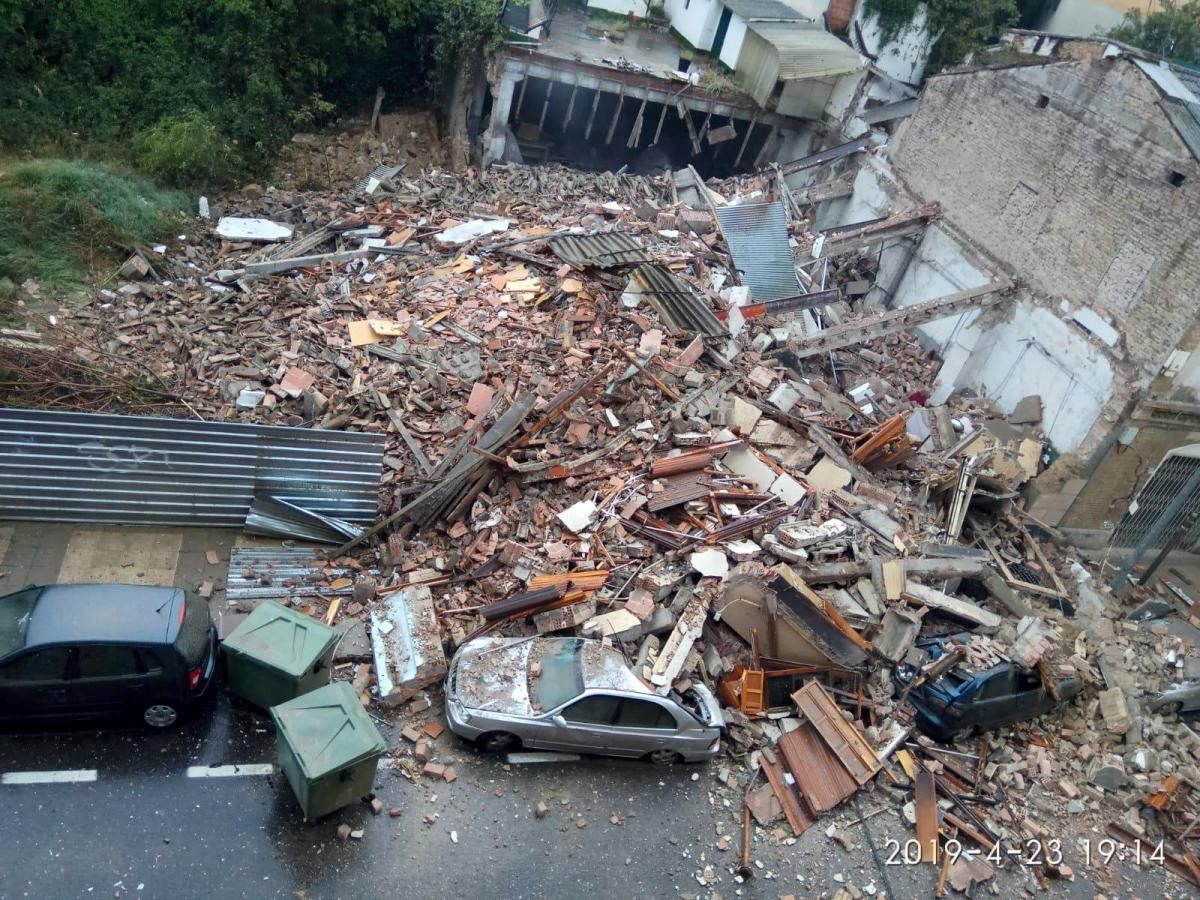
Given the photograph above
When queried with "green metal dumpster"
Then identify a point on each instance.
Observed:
(277, 654)
(328, 748)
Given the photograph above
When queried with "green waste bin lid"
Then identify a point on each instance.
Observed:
(327, 729)
(281, 638)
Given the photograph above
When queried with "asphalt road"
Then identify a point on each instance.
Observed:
(149, 826)
(121, 812)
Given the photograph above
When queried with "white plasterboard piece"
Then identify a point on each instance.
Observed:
(710, 563)
(788, 489)
(1091, 320)
(745, 415)
(238, 228)
(608, 624)
(742, 462)
(476, 228)
(784, 397)
(742, 547)
(578, 517)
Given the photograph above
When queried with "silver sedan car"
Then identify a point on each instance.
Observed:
(574, 695)
(1178, 698)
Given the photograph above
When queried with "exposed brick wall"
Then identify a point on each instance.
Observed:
(1073, 196)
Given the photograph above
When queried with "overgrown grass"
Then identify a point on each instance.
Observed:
(60, 220)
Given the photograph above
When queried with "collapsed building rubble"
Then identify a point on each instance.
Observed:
(585, 435)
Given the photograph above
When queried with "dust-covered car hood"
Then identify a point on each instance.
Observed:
(492, 674)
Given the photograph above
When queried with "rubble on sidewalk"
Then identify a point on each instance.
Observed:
(585, 437)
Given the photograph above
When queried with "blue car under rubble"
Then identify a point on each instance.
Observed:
(962, 703)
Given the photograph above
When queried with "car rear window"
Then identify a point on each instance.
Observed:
(14, 618)
(192, 641)
(562, 675)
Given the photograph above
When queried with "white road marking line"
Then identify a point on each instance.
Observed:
(230, 771)
(65, 776)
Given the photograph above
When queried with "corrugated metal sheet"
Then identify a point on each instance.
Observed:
(275, 518)
(80, 467)
(806, 52)
(615, 248)
(1168, 82)
(758, 240)
(677, 304)
(1186, 119)
(264, 573)
(1189, 77)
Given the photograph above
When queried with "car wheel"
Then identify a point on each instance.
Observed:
(1172, 708)
(160, 715)
(663, 757)
(498, 741)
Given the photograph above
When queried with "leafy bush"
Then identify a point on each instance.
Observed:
(97, 71)
(58, 218)
(187, 150)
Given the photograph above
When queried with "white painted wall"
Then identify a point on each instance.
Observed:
(805, 98)
(621, 7)
(1021, 350)
(1032, 351)
(905, 56)
(843, 94)
(696, 20)
(734, 37)
(810, 9)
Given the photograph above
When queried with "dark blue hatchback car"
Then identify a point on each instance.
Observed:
(962, 703)
(77, 651)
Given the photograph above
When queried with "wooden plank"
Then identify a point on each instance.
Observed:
(927, 816)
(585, 580)
(797, 817)
(893, 579)
(822, 779)
(843, 738)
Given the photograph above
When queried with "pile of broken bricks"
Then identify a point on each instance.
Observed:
(564, 458)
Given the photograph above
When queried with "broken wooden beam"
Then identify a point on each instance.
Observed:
(890, 322)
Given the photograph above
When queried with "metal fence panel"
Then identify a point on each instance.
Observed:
(82, 467)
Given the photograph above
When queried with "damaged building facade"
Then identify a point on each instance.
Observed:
(1072, 169)
(744, 83)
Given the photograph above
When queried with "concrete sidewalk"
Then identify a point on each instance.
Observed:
(47, 553)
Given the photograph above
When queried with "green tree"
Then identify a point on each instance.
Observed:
(956, 26)
(250, 71)
(1172, 31)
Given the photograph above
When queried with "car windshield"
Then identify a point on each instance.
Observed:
(14, 618)
(561, 677)
(193, 633)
